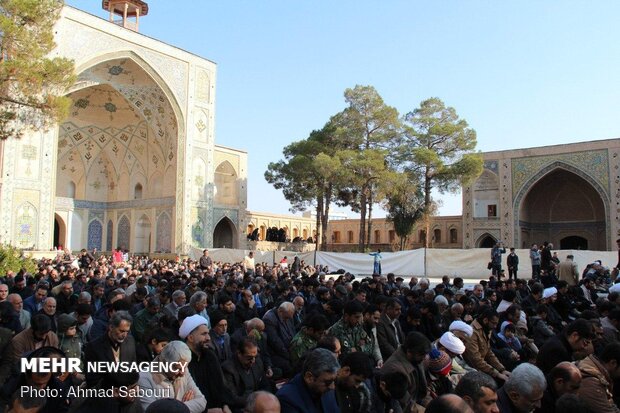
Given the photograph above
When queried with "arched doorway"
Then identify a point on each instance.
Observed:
(224, 234)
(486, 241)
(142, 232)
(60, 231)
(573, 243)
(562, 205)
(119, 144)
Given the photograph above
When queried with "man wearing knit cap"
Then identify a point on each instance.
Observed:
(438, 365)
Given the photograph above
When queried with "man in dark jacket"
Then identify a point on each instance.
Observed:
(114, 346)
(244, 374)
(565, 378)
(312, 391)
(576, 337)
(523, 391)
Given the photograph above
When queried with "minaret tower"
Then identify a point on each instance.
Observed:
(126, 9)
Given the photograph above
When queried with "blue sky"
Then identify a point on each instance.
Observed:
(523, 74)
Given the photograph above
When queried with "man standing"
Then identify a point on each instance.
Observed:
(496, 259)
(535, 259)
(567, 271)
(248, 262)
(205, 262)
(512, 262)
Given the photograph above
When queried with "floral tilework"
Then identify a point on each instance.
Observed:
(164, 233)
(594, 163)
(95, 232)
(124, 232)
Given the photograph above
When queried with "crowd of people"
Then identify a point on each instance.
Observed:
(282, 337)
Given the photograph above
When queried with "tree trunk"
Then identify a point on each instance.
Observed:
(427, 204)
(369, 232)
(324, 222)
(362, 234)
(319, 213)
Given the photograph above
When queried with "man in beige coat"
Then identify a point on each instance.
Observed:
(478, 353)
(567, 271)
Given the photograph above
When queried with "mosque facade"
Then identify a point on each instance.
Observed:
(135, 164)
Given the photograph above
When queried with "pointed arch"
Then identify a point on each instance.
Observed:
(573, 204)
(95, 233)
(225, 234)
(124, 233)
(142, 237)
(225, 181)
(109, 236)
(486, 240)
(164, 233)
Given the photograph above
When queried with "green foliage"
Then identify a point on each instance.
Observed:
(32, 85)
(405, 206)
(12, 259)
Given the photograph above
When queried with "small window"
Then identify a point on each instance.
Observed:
(350, 236)
(453, 236)
(492, 211)
(437, 235)
(137, 192)
(392, 235)
(377, 236)
(422, 236)
(71, 189)
(337, 237)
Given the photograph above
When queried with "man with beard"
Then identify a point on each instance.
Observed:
(114, 346)
(307, 339)
(204, 366)
(478, 353)
(565, 378)
(39, 335)
(389, 332)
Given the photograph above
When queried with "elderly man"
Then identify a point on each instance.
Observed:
(565, 378)
(262, 402)
(523, 391)
(178, 301)
(280, 331)
(18, 305)
(312, 390)
(199, 304)
(204, 366)
(177, 385)
(300, 312)
(114, 346)
(479, 391)
(49, 310)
